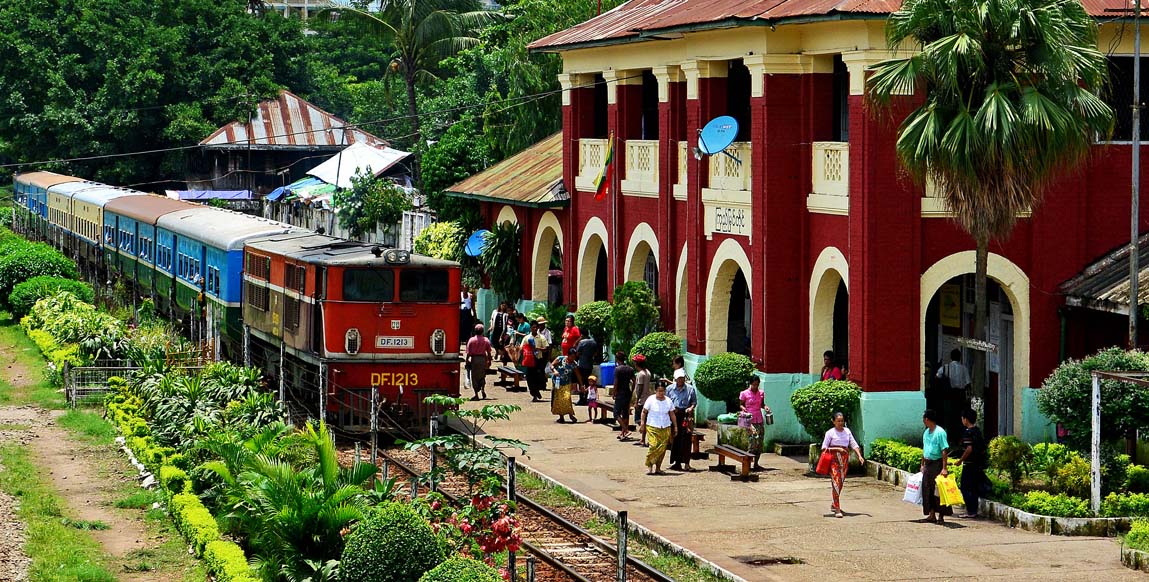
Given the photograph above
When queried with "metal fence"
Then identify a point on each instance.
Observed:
(89, 384)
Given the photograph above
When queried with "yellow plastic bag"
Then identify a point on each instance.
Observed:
(948, 492)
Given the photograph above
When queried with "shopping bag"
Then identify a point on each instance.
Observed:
(913, 490)
(948, 492)
(824, 461)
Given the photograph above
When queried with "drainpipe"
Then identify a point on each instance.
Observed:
(1063, 342)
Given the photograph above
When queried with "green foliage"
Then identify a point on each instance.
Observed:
(1048, 459)
(24, 295)
(194, 521)
(660, 349)
(1045, 503)
(815, 403)
(896, 454)
(1066, 394)
(464, 454)
(21, 261)
(500, 260)
(1073, 477)
(227, 563)
(1125, 505)
(174, 479)
(459, 153)
(369, 203)
(1011, 455)
(555, 315)
(442, 240)
(392, 544)
(460, 569)
(1137, 479)
(634, 314)
(596, 320)
(1138, 536)
(723, 376)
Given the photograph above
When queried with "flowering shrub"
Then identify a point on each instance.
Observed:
(485, 525)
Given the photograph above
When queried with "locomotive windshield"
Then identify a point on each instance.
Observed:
(368, 285)
(424, 285)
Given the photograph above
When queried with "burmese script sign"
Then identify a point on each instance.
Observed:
(726, 218)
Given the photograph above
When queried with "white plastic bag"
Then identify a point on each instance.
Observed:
(914, 490)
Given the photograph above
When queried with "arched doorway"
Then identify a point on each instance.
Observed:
(728, 302)
(593, 274)
(947, 323)
(642, 257)
(600, 277)
(546, 270)
(555, 276)
(680, 299)
(829, 309)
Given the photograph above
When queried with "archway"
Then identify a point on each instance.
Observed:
(829, 308)
(947, 313)
(548, 238)
(593, 276)
(728, 305)
(680, 299)
(642, 257)
(506, 214)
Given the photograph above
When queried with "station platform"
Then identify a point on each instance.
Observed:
(737, 525)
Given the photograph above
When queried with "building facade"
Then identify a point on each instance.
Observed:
(808, 237)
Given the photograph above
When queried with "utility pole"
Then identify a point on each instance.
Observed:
(1134, 229)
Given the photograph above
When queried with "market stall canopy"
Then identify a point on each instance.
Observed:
(1104, 284)
(341, 167)
(197, 195)
(532, 178)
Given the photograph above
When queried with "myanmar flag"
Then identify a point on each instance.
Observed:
(602, 182)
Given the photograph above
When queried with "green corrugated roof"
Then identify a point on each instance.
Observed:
(532, 177)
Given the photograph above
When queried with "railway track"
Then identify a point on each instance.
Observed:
(567, 550)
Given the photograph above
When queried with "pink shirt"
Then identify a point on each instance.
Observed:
(753, 402)
(478, 346)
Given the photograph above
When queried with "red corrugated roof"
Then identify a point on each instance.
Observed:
(646, 17)
(289, 121)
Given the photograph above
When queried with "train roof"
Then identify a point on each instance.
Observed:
(101, 195)
(69, 189)
(45, 179)
(147, 208)
(320, 249)
(222, 229)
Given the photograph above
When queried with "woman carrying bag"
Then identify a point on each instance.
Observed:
(837, 444)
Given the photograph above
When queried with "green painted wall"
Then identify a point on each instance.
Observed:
(889, 415)
(1035, 426)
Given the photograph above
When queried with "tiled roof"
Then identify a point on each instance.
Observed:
(639, 18)
(532, 177)
(288, 122)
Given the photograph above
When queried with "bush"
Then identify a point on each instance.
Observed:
(594, 319)
(634, 314)
(174, 480)
(815, 403)
(1011, 455)
(722, 377)
(660, 349)
(459, 569)
(393, 544)
(1138, 536)
(1125, 505)
(226, 562)
(555, 315)
(500, 260)
(1045, 503)
(1114, 469)
(1137, 479)
(441, 240)
(1065, 397)
(194, 521)
(1073, 477)
(21, 262)
(1048, 459)
(896, 454)
(25, 295)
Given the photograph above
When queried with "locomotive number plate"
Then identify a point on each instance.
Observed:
(390, 342)
(394, 379)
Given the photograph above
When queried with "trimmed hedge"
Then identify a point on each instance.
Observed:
(660, 349)
(896, 454)
(26, 294)
(227, 563)
(392, 544)
(174, 480)
(22, 261)
(194, 521)
(724, 376)
(1138, 536)
(1125, 505)
(1045, 503)
(815, 403)
(459, 569)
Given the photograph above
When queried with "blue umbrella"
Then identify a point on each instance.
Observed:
(476, 242)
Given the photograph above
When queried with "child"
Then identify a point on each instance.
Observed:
(592, 398)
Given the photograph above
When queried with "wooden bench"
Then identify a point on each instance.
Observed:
(739, 456)
(514, 374)
(696, 439)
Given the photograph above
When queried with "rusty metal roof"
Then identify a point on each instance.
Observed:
(1104, 284)
(645, 19)
(45, 179)
(147, 208)
(289, 122)
(532, 177)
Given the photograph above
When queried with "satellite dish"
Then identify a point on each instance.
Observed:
(476, 242)
(716, 136)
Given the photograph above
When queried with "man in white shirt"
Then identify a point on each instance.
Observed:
(955, 372)
(957, 399)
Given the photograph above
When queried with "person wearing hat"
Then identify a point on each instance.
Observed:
(592, 398)
(643, 389)
(544, 330)
(478, 356)
(684, 398)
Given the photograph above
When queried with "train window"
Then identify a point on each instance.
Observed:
(257, 296)
(368, 285)
(259, 266)
(294, 277)
(291, 309)
(417, 285)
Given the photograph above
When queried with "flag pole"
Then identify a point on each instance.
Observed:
(614, 218)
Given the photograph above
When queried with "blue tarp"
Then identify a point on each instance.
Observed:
(213, 194)
(293, 187)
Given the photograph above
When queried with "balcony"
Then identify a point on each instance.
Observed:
(641, 177)
(591, 157)
(728, 173)
(726, 208)
(680, 185)
(830, 177)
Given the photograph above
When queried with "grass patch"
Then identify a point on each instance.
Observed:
(85, 524)
(544, 493)
(140, 499)
(59, 552)
(88, 425)
(677, 567)
(601, 528)
(25, 353)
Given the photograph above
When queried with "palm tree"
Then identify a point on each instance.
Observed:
(1011, 101)
(421, 34)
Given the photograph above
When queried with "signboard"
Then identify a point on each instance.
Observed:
(975, 344)
(385, 342)
(949, 304)
(725, 218)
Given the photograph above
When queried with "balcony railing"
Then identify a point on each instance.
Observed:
(728, 173)
(680, 184)
(830, 190)
(591, 156)
(641, 178)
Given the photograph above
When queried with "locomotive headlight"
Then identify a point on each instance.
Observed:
(438, 342)
(352, 341)
(397, 257)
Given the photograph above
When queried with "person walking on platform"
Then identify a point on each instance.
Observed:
(643, 389)
(588, 355)
(478, 354)
(935, 453)
(753, 403)
(561, 397)
(500, 322)
(839, 441)
(659, 426)
(684, 399)
(623, 391)
(973, 459)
